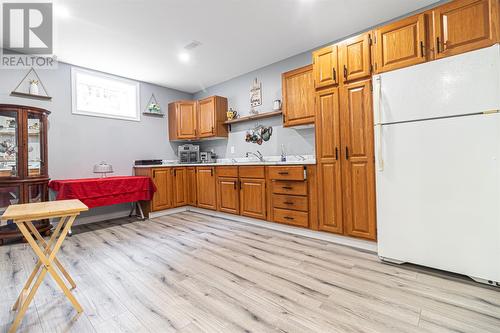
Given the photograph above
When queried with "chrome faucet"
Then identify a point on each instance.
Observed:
(258, 154)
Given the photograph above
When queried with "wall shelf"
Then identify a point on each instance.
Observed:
(253, 117)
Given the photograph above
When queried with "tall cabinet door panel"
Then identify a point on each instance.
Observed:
(465, 25)
(325, 67)
(191, 186)
(253, 198)
(206, 189)
(206, 113)
(179, 187)
(186, 117)
(329, 166)
(358, 160)
(162, 199)
(228, 199)
(401, 44)
(355, 59)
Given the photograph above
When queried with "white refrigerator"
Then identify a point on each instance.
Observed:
(437, 148)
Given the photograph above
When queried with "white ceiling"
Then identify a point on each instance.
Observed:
(141, 39)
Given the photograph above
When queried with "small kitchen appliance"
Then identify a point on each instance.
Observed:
(189, 153)
(208, 157)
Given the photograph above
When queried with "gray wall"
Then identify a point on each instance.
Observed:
(237, 90)
(76, 143)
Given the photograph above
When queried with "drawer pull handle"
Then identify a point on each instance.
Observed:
(287, 188)
(283, 173)
(288, 218)
(288, 203)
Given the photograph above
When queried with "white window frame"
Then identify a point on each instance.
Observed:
(74, 110)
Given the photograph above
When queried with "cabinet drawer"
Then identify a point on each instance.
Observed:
(227, 171)
(290, 202)
(286, 173)
(252, 172)
(293, 217)
(289, 187)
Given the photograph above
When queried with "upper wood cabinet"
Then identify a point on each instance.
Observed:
(162, 199)
(355, 57)
(191, 186)
(358, 165)
(325, 67)
(179, 188)
(190, 120)
(401, 44)
(464, 25)
(182, 120)
(206, 188)
(298, 96)
(211, 116)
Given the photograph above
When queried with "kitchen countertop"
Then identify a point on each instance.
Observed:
(268, 160)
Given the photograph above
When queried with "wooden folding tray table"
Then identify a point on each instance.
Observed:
(24, 215)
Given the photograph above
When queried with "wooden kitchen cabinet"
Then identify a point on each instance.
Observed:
(253, 198)
(358, 166)
(162, 199)
(211, 116)
(182, 120)
(325, 67)
(464, 25)
(228, 196)
(355, 57)
(206, 188)
(401, 44)
(298, 96)
(179, 188)
(191, 186)
(328, 152)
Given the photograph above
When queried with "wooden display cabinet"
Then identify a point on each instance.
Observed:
(23, 161)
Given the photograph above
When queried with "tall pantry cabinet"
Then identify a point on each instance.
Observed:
(344, 140)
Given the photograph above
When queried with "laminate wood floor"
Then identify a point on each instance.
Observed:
(194, 273)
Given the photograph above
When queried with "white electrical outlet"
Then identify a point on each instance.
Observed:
(232, 149)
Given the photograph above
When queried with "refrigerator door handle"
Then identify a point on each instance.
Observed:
(378, 149)
(377, 103)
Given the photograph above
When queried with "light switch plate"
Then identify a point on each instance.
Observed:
(232, 149)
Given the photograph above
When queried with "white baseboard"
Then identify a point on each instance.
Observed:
(320, 235)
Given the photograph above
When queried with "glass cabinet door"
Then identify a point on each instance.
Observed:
(9, 141)
(9, 195)
(36, 192)
(35, 145)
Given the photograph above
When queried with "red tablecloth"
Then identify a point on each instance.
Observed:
(96, 192)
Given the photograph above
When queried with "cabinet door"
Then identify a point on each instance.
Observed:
(253, 198)
(400, 44)
(179, 187)
(206, 113)
(162, 199)
(329, 166)
(358, 182)
(206, 188)
(325, 67)
(465, 25)
(298, 96)
(186, 120)
(191, 186)
(11, 140)
(228, 199)
(355, 57)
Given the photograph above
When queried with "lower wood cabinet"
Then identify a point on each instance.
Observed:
(206, 188)
(191, 186)
(162, 199)
(179, 188)
(228, 196)
(253, 198)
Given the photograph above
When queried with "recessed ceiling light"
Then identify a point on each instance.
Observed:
(184, 57)
(61, 11)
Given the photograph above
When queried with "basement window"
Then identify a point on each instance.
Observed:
(101, 95)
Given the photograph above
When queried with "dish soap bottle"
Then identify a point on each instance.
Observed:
(283, 155)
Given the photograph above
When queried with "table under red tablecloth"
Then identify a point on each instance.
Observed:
(95, 192)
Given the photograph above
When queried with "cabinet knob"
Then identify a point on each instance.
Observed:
(283, 173)
(287, 188)
(288, 218)
(288, 203)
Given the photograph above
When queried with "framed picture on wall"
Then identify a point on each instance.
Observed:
(102, 95)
